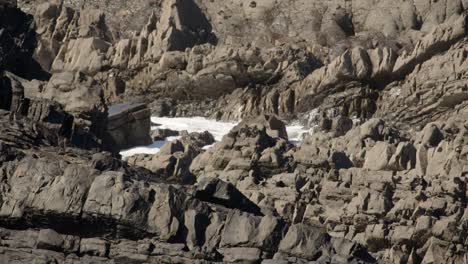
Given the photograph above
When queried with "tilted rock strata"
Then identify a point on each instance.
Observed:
(381, 178)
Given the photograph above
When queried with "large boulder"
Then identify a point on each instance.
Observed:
(128, 125)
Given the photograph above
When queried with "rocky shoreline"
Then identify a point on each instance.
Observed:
(380, 178)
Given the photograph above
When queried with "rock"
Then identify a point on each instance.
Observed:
(165, 214)
(94, 247)
(45, 122)
(431, 136)
(12, 92)
(17, 37)
(274, 126)
(181, 24)
(243, 255)
(341, 125)
(380, 178)
(404, 157)
(163, 133)
(172, 161)
(128, 250)
(215, 190)
(305, 242)
(378, 157)
(173, 60)
(49, 239)
(115, 87)
(261, 232)
(77, 92)
(352, 65)
(128, 125)
(247, 143)
(81, 96)
(441, 37)
(85, 55)
(197, 140)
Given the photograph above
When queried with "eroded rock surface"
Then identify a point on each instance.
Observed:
(380, 178)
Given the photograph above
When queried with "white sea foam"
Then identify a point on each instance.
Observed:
(199, 124)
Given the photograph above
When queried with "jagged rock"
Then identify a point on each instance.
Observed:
(427, 98)
(75, 91)
(182, 24)
(63, 32)
(114, 88)
(354, 64)
(43, 122)
(224, 193)
(275, 128)
(172, 60)
(305, 242)
(81, 96)
(94, 247)
(197, 140)
(12, 91)
(161, 134)
(404, 157)
(18, 40)
(247, 146)
(440, 38)
(260, 232)
(383, 171)
(378, 157)
(174, 158)
(86, 55)
(49, 41)
(132, 251)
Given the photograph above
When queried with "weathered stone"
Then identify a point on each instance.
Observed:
(305, 242)
(49, 239)
(128, 125)
(378, 157)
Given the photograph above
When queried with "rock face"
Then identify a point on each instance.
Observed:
(380, 178)
(107, 210)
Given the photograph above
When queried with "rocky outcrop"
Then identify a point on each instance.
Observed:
(80, 95)
(428, 90)
(85, 55)
(254, 146)
(110, 211)
(380, 178)
(173, 160)
(63, 33)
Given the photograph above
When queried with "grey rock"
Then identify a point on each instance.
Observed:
(49, 239)
(128, 125)
(305, 242)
